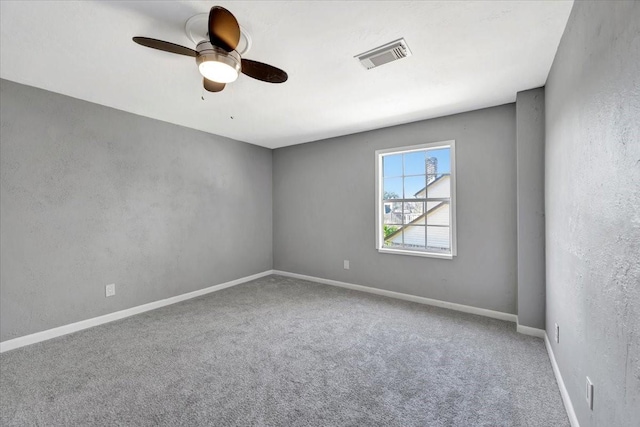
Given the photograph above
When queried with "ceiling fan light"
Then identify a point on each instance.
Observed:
(218, 71)
(216, 64)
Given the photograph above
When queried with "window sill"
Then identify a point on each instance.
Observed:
(415, 253)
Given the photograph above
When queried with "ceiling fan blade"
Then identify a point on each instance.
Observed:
(265, 72)
(165, 46)
(224, 30)
(212, 86)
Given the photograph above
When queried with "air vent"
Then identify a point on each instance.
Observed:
(389, 52)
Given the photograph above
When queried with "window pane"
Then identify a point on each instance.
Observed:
(414, 186)
(392, 188)
(392, 165)
(392, 213)
(439, 214)
(414, 163)
(439, 186)
(439, 161)
(438, 239)
(431, 205)
(392, 233)
(393, 237)
(414, 237)
(413, 211)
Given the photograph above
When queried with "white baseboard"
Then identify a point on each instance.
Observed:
(527, 330)
(568, 406)
(422, 300)
(84, 324)
(88, 323)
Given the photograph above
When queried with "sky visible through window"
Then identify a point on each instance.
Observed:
(414, 171)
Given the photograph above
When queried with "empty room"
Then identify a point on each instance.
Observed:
(320, 213)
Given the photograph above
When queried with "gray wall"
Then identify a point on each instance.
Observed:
(324, 211)
(92, 195)
(592, 181)
(530, 171)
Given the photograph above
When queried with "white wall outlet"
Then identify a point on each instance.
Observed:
(589, 393)
(346, 264)
(110, 290)
(557, 334)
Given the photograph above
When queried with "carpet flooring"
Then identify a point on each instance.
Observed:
(285, 352)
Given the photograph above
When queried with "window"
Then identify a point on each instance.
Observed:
(415, 200)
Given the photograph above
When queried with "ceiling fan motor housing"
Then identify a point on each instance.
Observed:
(210, 55)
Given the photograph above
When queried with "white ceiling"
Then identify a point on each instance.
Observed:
(466, 55)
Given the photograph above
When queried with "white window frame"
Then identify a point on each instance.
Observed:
(380, 203)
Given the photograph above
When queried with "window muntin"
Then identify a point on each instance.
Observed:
(415, 200)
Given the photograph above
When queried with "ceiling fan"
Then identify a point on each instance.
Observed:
(217, 58)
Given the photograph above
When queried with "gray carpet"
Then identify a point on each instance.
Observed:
(285, 352)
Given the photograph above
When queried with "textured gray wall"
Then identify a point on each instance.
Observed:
(530, 171)
(592, 181)
(92, 195)
(324, 211)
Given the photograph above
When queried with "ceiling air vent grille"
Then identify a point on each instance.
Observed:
(389, 52)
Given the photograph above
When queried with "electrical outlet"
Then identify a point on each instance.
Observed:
(557, 334)
(110, 290)
(346, 264)
(589, 393)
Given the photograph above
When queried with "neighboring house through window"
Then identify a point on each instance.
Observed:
(415, 200)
